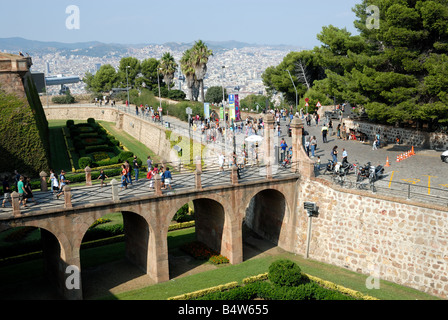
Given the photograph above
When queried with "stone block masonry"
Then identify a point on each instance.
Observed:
(421, 139)
(391, 239)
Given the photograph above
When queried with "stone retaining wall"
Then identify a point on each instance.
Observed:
(145, 132)
(435, 141)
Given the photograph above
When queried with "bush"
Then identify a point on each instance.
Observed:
(91, 121)
(125, 155)
(70, 123)
(85, 162)
(285, 273)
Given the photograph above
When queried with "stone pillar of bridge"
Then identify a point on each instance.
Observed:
(88, 171)
(301, 163)
(198, 174)
(15, 204)
(268, 144)
(68, 197)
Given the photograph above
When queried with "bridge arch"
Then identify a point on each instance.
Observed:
(54, 259)
(265, 216)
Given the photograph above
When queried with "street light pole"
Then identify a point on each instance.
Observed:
(295, 88)
(160, 96)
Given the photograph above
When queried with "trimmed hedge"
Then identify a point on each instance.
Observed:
(308, 288)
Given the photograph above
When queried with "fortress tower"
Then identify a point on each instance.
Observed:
(23, 126)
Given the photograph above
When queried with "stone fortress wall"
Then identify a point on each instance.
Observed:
(383, 237)
(150, 135)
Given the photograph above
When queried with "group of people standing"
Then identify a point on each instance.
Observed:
(22, 186)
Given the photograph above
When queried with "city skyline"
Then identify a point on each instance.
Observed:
(263, 22)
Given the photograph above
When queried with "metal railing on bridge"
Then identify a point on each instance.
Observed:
(192, 176)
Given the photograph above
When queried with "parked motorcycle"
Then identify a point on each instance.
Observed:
(375, 173)
(368, 171)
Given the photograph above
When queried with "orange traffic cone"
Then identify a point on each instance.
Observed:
(412, 151)
(398, 158)
(387, 162)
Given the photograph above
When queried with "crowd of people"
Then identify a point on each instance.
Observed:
(22, 184)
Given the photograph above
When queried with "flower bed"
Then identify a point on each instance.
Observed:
(201, 252)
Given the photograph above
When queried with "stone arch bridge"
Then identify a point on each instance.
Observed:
(267, 203)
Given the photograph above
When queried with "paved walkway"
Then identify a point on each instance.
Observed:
(425, 174)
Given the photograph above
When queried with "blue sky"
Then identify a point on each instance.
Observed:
(294, 22)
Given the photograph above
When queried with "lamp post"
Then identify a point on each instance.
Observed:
(160, 95)
(127, 84)
(295, 88)
(224, 109)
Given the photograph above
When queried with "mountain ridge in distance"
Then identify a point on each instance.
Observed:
(25, 45)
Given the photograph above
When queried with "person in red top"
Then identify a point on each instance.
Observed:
(124, 183)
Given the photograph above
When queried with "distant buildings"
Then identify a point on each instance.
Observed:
(244, 66)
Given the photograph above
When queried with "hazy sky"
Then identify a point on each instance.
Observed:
(294, 22)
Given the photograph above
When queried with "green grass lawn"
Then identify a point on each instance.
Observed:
(220, 275)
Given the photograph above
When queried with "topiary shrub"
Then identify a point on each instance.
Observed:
(85, 162)
(285, 273)
(125, 155)
(91, 121)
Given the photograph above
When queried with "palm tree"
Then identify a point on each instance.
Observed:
(168, 66)
(199, 57)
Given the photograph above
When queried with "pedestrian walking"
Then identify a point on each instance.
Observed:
(62, 183)
(344, 156)
(29, 190)
(6, 191)
(283, 147)
(21, 190)
(128, 172)
(168, 178)
(334, 154)
(221, 161)
(375, 144)
(149, 163)
(136, 168)
(324, 133)
(313, 145)
(102, 177)
(124, 179)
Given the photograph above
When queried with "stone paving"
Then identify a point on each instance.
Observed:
(425, 173)
(423, 176)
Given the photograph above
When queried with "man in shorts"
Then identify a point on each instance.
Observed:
(21, 190)
(168, 178)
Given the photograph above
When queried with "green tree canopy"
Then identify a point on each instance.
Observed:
(215, 95)
(397, 72)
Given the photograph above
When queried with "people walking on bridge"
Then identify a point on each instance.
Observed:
(6, 191)
(136, 168)
(168, 178)
(62, 183)
(149, 163)
(29, 191)
(221, 161)
(54, 183)
(124, 178)
(102, 177)
(21, 190)
(128, 172)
